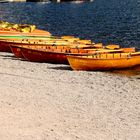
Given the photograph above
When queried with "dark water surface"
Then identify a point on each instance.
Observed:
(107, 21)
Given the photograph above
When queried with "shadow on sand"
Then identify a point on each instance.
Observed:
(64, 67)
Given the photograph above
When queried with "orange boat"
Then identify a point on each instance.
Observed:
(104, 61)
(54, 54)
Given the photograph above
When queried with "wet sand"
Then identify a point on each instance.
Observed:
(40, 101)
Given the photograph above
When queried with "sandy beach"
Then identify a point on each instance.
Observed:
(40, 101)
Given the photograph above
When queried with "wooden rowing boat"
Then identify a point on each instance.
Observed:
(39, 55)
(16, 48)
(104, 61)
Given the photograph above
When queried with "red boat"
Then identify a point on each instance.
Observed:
(4, 47)
(44, 56)
(18, 51)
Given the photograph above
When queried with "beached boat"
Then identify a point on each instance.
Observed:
(104, 61)
(16, 48)
(54, 54)
(6, 42)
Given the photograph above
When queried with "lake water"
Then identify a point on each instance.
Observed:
(106, 21)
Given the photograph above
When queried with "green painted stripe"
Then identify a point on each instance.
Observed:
(39, 37)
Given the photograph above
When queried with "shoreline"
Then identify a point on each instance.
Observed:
(46, 101)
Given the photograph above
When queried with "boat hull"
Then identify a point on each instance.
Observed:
(44, 56)
(91, 64)
(17, 52)
(4, 47)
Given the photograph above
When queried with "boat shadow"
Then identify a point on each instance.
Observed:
(135, 71)
(11, 57)
(7, 55)
(64, 67)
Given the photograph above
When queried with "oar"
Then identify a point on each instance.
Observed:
(37, 41)
(109, 51)
(135, 53)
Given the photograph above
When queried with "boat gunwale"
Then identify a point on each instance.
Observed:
(48, 51)
(129, 56)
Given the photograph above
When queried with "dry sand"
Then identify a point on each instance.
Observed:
(40, 101)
